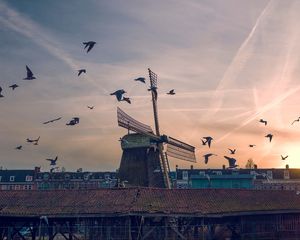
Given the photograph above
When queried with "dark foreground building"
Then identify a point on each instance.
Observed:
(145, 213)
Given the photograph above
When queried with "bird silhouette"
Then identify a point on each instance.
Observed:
(29, 74)
(53, 120)
(19, 147)
(53, 169)
(263, 121)
(171, 92)
(140, 79)
(35, 141)
(283, 158)
(127, 99)
(154, 90)
(232, 151)
(203, 142)
(231, 162)
(208, 140)
(14, 86)
(252, 145)
(270, 136)
(80, 71)
(296, 120)
(206, 157)
(119, 94)
(91, 107)
(89, 45)
(0, 92)
(73, 121)
(122, 140)
(52, 161)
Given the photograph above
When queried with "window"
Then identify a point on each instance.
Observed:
(269, 174)
(107, 176)
(218, 172)
(185, 175)
(28, 178)
(202, 173)
(0, 178)
(286, 174)
(12, 178)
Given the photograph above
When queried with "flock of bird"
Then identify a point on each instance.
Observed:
(232, 161)
(75, 120)
(119, 94)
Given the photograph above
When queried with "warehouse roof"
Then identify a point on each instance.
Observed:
(196, 202)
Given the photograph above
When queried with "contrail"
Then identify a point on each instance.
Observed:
(264, 109)
(13, 20)
(237, 62)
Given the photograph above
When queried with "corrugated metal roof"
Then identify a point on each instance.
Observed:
(73, 203)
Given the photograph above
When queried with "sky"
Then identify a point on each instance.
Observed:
(230, 62)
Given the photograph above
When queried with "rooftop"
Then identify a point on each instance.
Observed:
(153, 201)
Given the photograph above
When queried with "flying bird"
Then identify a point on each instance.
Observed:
(154, 90)
(0, 92)
(231, 162)
(283, 158)
(140, 79)
(127, 99)
(80, 71)
(122, 140)
(29, 74)
(296, 120)
(171, 92)
(53, 169)
(232, 151)
(203, 142)
(53, 120)
(270, 136)
(208, 140)
(18, 147)
(119, 94)
(89, 45)
(14, 86)
(52, 161)
(252, 145)
(263, 121)
(35, 141)
(206, 156)
(91, 107)
(73, 122)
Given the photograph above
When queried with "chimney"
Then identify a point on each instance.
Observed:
(287, 166)
(176, 167)
(223, 167)
(192, 167)
(37, 169)
(255, 166)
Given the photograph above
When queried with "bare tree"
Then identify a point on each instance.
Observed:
(250, 164)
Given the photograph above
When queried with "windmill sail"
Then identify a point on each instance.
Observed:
(180, 150)
(179, 153)
(125, 121)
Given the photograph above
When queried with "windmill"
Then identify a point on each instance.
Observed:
(144, 160)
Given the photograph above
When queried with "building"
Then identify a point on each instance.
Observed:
(18, 179)
(35, 179)
(257, 178)
(150, 213)
(75, 180)
(233, 181)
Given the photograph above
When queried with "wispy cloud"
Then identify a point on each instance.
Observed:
(32, 30)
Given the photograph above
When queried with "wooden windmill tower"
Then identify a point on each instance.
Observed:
(144, 160)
